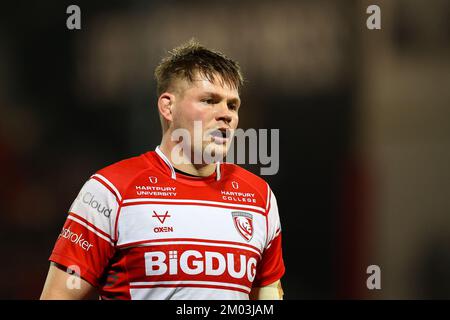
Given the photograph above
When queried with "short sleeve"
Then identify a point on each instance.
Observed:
(271, 267)
(86, 241)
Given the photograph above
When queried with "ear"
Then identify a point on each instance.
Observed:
(165, 104)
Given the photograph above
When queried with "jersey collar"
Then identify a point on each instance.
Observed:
(172, 170)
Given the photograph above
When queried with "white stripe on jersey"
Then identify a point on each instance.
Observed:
(163, 156)
(212, 244)
(242, 206)
(187, 293)
(201, 283)
(268, 198)
(93, 202)
(137, 223)
(109, 184)
(90, 228)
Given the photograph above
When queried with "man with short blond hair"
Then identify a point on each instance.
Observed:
(177, 222)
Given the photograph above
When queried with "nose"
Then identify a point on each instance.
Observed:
(223, 113)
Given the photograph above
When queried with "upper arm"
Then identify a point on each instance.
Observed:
(61, 285)
(270, 268)
(273, 291)
(86, 241)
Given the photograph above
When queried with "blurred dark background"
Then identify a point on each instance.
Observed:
(364, 119)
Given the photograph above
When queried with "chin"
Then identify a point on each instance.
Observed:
(215, 152)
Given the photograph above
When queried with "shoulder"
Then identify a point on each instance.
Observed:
(237, 171)
(119, 175)
(251, 180)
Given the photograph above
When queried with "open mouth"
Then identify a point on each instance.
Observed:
(220, 135)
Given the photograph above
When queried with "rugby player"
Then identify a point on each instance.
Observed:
(172, 223)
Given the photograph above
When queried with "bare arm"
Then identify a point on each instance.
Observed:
(61, 285)
(273, 291)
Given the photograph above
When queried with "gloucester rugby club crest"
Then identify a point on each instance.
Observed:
(243, 222)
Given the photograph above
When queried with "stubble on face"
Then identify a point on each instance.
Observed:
(189, 109)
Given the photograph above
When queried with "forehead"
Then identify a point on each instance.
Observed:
(202, 85)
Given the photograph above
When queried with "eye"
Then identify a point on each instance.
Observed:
(232, 106)
(208, 100)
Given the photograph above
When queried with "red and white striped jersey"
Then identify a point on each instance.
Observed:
(139, 230)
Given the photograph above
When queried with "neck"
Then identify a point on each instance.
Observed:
(200, 170)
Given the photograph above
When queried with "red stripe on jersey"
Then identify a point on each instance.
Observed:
(188, 285)
(107, 187)
(80, 246)
(190, 240)
(193, 204)
(271, 267)
(66, 261)
(269, 196)
(116, 225)
(90, 225)
(172, 263)
(267, 221)
(276, 235)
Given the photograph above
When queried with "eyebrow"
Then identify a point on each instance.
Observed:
(217, 96)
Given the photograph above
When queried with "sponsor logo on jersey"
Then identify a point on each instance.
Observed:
(224, 265)
(238, 196)
(156, 191)
(89, 199)
(243, 222)
(75, 238)
(162, 218)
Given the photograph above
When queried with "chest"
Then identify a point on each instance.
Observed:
(157, 221)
